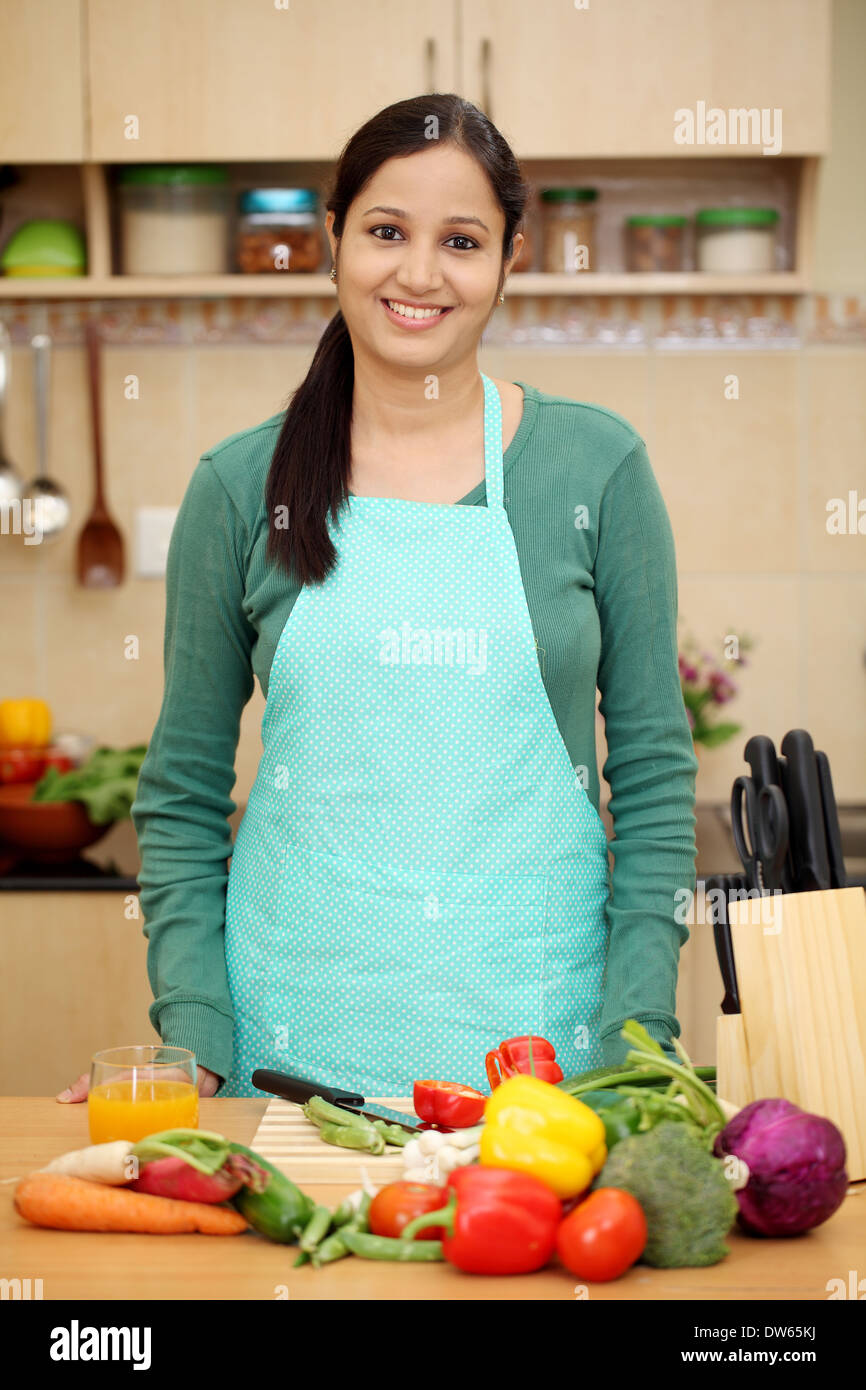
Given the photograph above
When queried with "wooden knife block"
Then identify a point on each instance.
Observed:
(801, 973)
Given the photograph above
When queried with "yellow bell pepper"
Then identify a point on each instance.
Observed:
(533, 1127)
(25, 723)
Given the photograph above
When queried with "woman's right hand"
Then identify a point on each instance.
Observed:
(208, 1084)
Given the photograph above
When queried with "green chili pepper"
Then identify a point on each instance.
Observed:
(303, 1259)
(620, 1115)
(389, 1248)
(316, 1229)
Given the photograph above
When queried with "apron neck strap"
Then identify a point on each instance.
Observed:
(492, 444)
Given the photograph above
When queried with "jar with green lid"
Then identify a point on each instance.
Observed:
(568, 230)
(174, 219)
(736, 241)
(655, 242)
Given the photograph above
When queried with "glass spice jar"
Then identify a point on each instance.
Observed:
(174, 219)
(736, 241)
(278, 230)
(569, 230)
(655, 242)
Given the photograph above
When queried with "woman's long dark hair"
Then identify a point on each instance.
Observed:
(308, 478)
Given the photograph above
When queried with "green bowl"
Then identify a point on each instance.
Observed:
(44, 246)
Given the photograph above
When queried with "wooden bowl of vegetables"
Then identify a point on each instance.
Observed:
(46, 831)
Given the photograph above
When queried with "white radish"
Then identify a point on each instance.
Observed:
(107, 1163)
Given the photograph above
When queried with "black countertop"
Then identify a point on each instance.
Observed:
(80, 875)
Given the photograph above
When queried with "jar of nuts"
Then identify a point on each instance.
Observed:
(278, 230)
(654, 242)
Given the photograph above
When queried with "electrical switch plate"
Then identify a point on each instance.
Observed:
(153, 528)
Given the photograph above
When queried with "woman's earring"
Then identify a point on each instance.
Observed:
(501, 297)
(334, 274)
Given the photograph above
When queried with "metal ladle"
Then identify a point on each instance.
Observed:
(50, 501)
(10, 479)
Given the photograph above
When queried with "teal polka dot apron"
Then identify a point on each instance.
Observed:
(420, 872)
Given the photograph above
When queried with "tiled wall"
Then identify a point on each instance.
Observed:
(746, 483)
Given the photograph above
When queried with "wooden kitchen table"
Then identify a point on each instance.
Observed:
(116, 1266)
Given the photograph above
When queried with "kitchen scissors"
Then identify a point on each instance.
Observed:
(766, 824)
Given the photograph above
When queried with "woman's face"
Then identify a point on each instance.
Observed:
(426, 230)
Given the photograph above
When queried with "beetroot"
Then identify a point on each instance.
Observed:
(174, 1177)
(796, 1165)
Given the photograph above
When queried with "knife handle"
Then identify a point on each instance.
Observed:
(808, 840)
(299, 1090)
(838, 873)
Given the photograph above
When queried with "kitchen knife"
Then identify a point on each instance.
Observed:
(299, 1090)
(838, 875)
(722, 937)
(760, 754)
(805, 813)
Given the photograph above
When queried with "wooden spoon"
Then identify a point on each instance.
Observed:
(100, 544)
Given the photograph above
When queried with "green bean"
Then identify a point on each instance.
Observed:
(321, 1111)
(346, 1137)
(333, 1247)
(316, 1229)
(392, 1134)
(344, 1212)
(388, 1248)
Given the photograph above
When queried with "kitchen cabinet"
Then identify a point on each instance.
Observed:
(74, 970)
(230, 81)
(41, 81)
(615, 73)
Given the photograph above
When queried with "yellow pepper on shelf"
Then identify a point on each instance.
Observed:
(25, 723)
(533, 1127)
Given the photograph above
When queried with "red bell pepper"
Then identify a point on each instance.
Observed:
(495, 1221)
(448, 1103)
(513, 1056)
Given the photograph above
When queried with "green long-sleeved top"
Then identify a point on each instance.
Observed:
(598, 565)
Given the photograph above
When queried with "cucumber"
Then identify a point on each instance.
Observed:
(604, 1077)
(280, 1212)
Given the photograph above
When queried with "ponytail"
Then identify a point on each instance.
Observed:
(309, 471)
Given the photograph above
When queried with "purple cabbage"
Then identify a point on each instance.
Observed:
(796, 1164)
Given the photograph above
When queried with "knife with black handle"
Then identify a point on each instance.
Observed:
(802, 790)
(723, 883)
(300, 1090)
(838, 874)
(760, 754)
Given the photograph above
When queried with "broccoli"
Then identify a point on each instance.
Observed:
(687, 1201)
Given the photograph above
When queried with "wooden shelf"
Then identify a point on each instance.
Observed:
(528, 284)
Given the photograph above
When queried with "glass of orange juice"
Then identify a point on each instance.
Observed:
(139, 1090)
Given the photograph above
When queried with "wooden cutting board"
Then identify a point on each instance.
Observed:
(289, 1141)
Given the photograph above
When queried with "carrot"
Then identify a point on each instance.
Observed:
(74, 1204)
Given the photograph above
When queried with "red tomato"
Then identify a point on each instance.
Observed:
(396, 1205)
(602, 1238)
(54, 757)
(21, 764)
(448, 1103)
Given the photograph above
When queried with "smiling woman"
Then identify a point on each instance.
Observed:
(422, 869)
